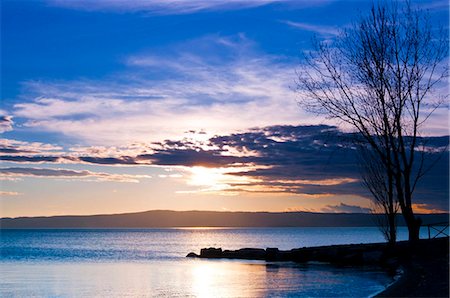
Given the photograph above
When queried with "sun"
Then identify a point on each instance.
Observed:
(224, 181)
(209, 177)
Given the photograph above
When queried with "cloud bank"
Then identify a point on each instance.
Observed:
(316, 160)
(17, 173)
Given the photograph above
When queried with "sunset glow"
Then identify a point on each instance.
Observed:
(224, 148)
(138, 107)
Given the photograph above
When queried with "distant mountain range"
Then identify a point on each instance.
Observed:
(166, 218)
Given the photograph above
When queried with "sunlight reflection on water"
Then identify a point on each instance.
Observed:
(187, 278)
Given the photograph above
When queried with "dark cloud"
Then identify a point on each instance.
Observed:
(43, 172)
(191, 157)
(123, 160)
(6, 123)
(312, 160)
(297, 152)
(311, 187)
(11, 150)
(18, 172)
(21, 158)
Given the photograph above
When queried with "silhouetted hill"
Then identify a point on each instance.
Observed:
(165, 218)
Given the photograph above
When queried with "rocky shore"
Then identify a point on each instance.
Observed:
(361, 254)
(425, 264)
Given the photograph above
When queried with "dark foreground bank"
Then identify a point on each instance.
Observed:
(425, 270)
(425, 264)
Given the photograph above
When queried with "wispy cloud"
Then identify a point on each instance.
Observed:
(8, 146)
(318, 29)
(434, 5)
(160, 6)
(68, 174)
(162, 96)
(9, 193)
(165, 7)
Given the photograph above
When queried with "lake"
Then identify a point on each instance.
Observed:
(152, 263)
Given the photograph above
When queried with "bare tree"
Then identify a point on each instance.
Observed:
(380, 182)
(379, 77)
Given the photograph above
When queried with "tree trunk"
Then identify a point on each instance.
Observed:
(392, 229)
(413, 224)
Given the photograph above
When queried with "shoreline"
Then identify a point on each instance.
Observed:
(424, 264)
(425, 273)
(400, 273)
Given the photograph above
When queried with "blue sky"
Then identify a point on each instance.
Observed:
(89, 86)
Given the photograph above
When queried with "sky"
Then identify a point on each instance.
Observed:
(121, 106)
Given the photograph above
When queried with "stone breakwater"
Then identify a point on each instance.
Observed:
(357, 254)
(378, 254)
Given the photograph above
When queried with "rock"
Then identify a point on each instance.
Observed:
(284, 256)
(350, 254)
(251, 253)
(192, 255)
(300, 255)
(211, 252)
(272, 254)
(245, 253)
(329, 255)
(230, 254)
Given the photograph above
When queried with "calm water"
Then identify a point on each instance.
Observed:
(151, 262)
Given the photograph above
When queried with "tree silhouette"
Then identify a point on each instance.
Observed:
(381, 77)
(380, 182)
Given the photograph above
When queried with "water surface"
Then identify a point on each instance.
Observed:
(152, 263)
